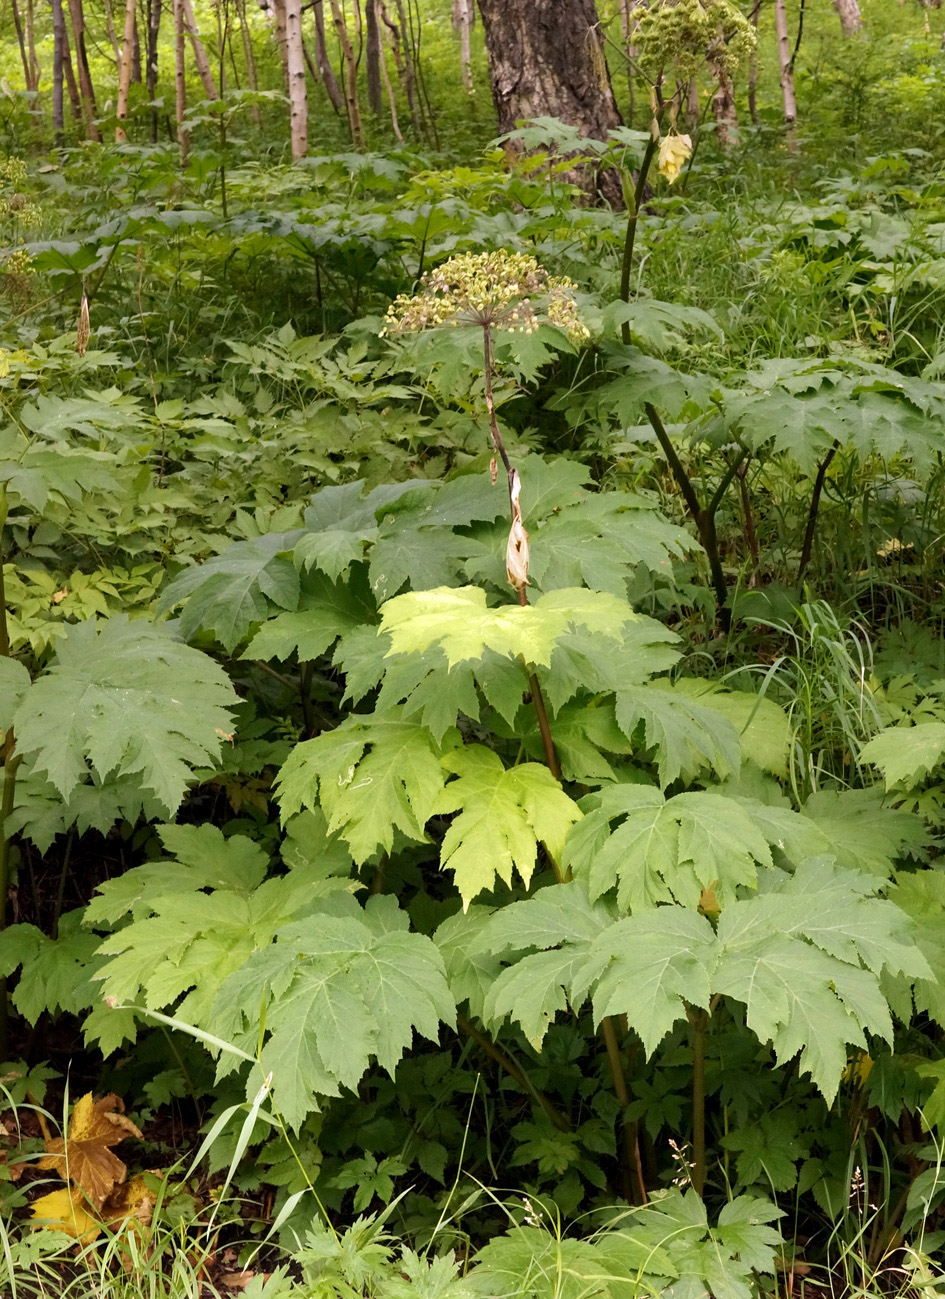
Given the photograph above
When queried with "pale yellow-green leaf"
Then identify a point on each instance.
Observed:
(458, 620)
(503, 814)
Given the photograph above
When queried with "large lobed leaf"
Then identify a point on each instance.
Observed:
(125, 699)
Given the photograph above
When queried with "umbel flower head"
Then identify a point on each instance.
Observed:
(501, 289)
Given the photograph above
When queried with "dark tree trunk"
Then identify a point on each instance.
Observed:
(329, 80)
(372, 52)
(546, 59)
(151, 70)
(59, 53)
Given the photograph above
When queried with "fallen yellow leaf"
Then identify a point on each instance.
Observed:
(65, 1211)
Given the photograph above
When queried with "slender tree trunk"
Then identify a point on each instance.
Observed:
(851, 20)
(628, 26)
(723, 103)
(278, 10)
(24, 57)
(693, 107)
(59, 59)
(404, 66)
(151, 70)
(372, 56)
(785, 63)
(86, 90)
(322, 61)
(35, 68)
(298, 100)
(463, 17)
(753, 67)
(180, 81)
(351, 76)
(124, 71)
(75, 100)
(547, 60)
(249, 58)
(136, 77)
(200, 53)
(385, 77)
(110, 28)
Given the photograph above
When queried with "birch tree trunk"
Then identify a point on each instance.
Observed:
(86, 90)
(851, 20)
(295, 58)
(463, 16)
(124, 71)
(351, 76)
(322, 61)
(785, 63)
(180, 82)
(200, 53)
(278, 12)
(372, 56)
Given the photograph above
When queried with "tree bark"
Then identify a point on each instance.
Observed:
(75, 100)
(59, 59)
(463, 17)
(35, 69)
(322, 61)
(124, 71)
(180, 81)
(351, 76)
(295, 59)
(136, 77)
(723, 101)
(22, 44)
(86, 90)
(753, 67)
(151, 68)
(385, 77)
(372, 57)
(404, 66)
(110, 28)
(278, 13)
(249, 57)
(546, 60)
(851, 19)
(785, 63)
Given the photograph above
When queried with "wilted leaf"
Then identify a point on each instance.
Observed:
(84, 1157)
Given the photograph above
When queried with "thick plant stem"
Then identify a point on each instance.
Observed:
(698, 1020)
(11, 761)
(702, 517)
(630, 1163)
(808, 544)
(634, 217)
(511, 1068)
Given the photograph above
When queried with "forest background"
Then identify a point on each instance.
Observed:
(472, 648)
